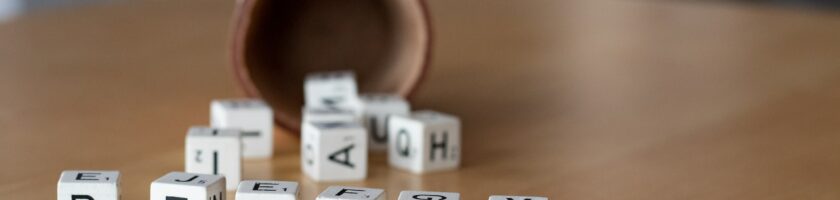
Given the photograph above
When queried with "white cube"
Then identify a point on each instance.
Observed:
(214, 151)
(351, 193)
(425, 141)
(334, 151)
(426, 195)
(374, 110)
(336, 89)
(328, 115)
(188, 186)
(267, 190)
(509, 197)
(89, 185)
(253, 117)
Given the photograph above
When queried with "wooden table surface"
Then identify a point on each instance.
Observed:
(579, 99)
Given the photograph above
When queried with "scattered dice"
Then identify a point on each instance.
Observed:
(330, 90)
(253, 117)
(89, 185)
(187, 186)
(328, 115)
(267, 190)
(351, 193)
(424, 195)
(334, 151)
(504, 197)
(214, 151)
(425, 141)
(374, 110)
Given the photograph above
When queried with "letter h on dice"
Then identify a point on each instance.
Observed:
(253, 117)
(425, 141)
(334, 151)
(187, 186)
(215, 151)
(89, 185)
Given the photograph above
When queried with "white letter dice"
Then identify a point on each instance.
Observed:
(253, 117)
(89, 185)
(424, 195)
(267, 190)
(334, 151)
(503, 197)
(426, 141)
(311, 115)
(187, 186)
(330, 90)
(215, 151)
(374, 110)
(351, 193)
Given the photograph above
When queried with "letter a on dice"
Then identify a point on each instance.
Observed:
(425, 195)
(253, 117)
(334, 90)
(188, 186)
(215, 151)
(351, 193)
(334, 151)
(89, 185)
(508, 197)
(426, 141)
(267, 190)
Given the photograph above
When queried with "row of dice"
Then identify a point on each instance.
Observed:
(104, 185)
(339, 126)
(239, 129)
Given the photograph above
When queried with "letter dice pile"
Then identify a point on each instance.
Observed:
(104, 185)
(339, 127)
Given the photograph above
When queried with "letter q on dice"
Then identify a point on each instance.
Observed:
(188, 186)
(427, 195)
(89, 185)
(425, 141)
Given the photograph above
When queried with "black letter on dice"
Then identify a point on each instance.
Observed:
(76, 196)
(188, 180)
(175, 198)
(442, 145)
(264, 186)
(374, 131)
(428, 197)
(348, 191)
(509, 198)
(346, 158)
(403, 142)
(87, 176)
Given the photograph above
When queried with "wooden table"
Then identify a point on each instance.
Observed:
(580, 99)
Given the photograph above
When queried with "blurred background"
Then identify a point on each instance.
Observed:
(573, 99)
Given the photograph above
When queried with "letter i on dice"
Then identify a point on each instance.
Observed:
(334, 151)
(253, 117)
(215, 151)
(374, 110)
(505, 197)
(351, 193)
(267, 190)
(334, 90)
(89, 185)
(425, 141)
(425, 195)
(188, 186)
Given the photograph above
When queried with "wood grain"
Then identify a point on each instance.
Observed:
(581, 99)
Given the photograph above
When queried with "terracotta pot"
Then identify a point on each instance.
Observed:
(276, 43)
